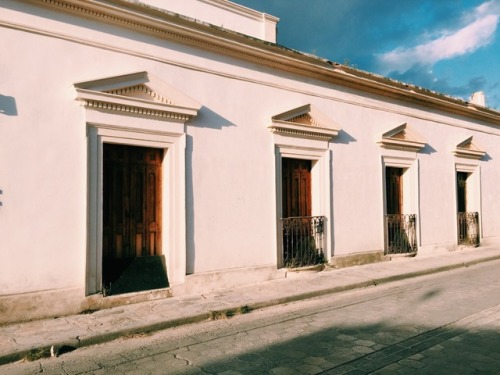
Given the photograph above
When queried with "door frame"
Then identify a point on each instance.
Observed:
(473, 197)
(173, 209)
(134, 120)
(321, 190)
(410, 192)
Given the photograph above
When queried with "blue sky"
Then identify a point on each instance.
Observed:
(450, 46)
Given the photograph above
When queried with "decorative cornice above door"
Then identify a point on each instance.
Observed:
(304, 122)
(467, 149)
(137, 94)
(402, 138)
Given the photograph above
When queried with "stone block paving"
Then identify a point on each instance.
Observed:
(303, 345)
(458, 348)
(466, 346)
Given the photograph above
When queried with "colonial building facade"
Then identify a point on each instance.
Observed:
(149, 152)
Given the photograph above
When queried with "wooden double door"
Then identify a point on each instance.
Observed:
(296, 186)
(131, 201)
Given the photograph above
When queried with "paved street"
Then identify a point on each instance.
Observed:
(447, 323)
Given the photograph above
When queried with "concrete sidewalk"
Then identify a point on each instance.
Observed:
(37, 337)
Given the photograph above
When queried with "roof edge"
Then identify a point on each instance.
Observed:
(164, 24)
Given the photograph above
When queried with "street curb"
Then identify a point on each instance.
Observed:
(107, 337)
(234, 310)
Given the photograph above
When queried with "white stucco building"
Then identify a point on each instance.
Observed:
(149, 152)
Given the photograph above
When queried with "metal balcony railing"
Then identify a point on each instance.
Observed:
(400, 234)
(468, 228)
(303, 241)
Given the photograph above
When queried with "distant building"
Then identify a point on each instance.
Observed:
(145, 154)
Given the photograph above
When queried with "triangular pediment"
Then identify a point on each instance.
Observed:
(468, 149)
(304, 122)
(141, 91)
(139, 94)
(402, 138)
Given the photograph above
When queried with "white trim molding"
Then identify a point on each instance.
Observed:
(409, 162)
(304, 133)
(472, 167)
(109, 124)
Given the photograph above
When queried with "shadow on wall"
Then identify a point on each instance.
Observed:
(428, 149)
(207, 118)
(8, 105)
(190, 246)
(486, 157)
(128, 275)
(344, 138)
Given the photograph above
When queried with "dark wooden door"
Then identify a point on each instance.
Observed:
(399, 228)
(394, 190)
(462, 191)
(296, 187)
(131, 201)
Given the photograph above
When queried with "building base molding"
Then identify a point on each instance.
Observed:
(63, 302)
(358, 259)
(39, 305)
(225, 279)
(490, 241)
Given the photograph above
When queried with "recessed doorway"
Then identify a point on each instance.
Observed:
(132, 227)
(400, 226)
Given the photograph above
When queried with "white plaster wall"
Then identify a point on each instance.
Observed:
(50, 127)
(224, 14)
(42, 160)
(490, 182)
(233, 185)
(357, 181)
(438, 185)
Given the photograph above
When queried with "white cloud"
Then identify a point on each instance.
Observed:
(489, 7)
(478, 32)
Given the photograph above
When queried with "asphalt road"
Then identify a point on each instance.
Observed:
(447, 323)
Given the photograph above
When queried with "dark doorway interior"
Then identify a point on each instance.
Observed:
(462, 191)
(394, 190)
(132, 258)
(468, 222)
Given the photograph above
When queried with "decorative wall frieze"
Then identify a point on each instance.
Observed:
(96, 104)
(133, 90)
(164, 24)
(301, 133)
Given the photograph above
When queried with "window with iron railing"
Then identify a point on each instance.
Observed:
(468, 228)
(400, 236)
(303, 241)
